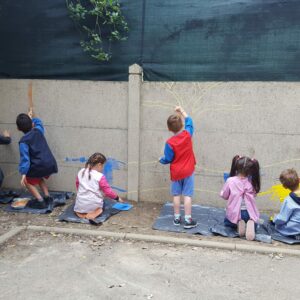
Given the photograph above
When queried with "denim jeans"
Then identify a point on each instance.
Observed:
(244, 216)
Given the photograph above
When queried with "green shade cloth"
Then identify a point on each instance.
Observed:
(191, 40)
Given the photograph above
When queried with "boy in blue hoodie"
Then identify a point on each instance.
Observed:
(36, 160)
(287, 222)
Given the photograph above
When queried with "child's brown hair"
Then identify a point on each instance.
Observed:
(248, 167)
(174, 123)
(96, 158)
(24, 123)
(289, 179)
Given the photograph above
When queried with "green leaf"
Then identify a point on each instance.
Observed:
(107, 16)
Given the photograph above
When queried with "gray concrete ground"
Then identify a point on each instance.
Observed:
(56, 266)
(39, 265)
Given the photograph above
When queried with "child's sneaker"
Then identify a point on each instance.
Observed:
(94, 222)
(48, 200)
(177, 221)
(241, 228)
(190, 223)
(250, 230)
(36, 204)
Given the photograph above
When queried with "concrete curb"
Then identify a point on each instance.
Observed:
(8, 235)
(78, 231)
(154, 239)
(170, 240)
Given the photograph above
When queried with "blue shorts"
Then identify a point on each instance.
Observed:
(183, 187)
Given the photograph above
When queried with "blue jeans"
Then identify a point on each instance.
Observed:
(244, 216)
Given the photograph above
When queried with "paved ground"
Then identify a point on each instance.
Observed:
(55, 266)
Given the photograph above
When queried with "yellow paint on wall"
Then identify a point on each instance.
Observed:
(276, 192)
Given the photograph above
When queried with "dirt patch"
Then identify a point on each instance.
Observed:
(139, 219)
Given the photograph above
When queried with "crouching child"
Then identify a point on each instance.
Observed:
(287, 222)
(37, 162)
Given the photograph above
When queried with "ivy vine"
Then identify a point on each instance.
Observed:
(101, 23)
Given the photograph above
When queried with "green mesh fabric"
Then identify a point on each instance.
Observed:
(191, 40)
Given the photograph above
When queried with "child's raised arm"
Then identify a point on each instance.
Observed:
(36, 121)
(189, 126)
(31, 113)
(180, 110)
(188, 122)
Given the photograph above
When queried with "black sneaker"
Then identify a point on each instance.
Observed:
(36, 204)
(48, 200)
(94, 222)
(190, 224)
(177, 221)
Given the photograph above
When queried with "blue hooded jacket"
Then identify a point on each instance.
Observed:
(37, 160)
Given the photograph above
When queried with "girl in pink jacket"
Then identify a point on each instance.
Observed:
(240, 190)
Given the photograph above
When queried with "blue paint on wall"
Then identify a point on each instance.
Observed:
(81, 159)
(225, 176)
(109, 167)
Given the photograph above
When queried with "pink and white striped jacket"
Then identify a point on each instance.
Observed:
(234, 190)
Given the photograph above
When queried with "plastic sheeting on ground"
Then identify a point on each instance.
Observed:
(59, 199)
(7, 196)
(69, 215)
(211, 222)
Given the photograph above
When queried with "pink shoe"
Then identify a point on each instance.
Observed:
(241, 228)
(250, 231)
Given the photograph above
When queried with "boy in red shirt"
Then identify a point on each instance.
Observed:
(180, 155)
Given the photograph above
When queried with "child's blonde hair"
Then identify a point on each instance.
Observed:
(96, 158)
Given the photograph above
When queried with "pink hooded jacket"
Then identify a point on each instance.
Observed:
(234, 190)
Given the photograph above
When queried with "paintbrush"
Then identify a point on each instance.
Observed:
(30, 100)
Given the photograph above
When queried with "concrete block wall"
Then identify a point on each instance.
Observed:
(80, 118)
(258, 119)
(127, 121)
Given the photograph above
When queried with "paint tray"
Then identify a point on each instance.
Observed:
(122, 206)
